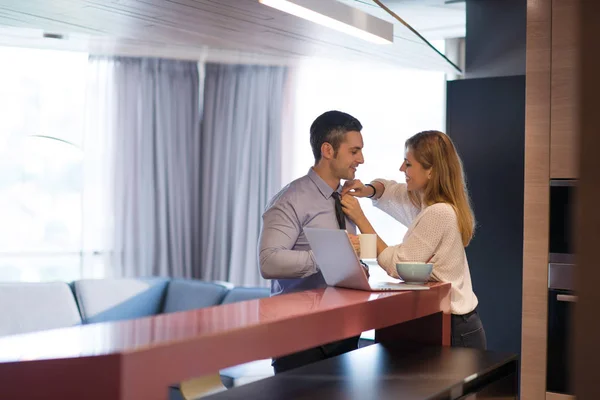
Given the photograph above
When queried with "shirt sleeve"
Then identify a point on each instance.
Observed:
(395, 202)
(281, 228)
(421, 243)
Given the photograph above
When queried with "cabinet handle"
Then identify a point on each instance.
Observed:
(566, 297)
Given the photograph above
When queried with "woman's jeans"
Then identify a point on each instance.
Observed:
(467, 331)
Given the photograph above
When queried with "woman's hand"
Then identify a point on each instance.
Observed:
(357, 189)
(393, 273)
(352, 209)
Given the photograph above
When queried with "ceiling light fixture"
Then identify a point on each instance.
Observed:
(50, 35)
(339, 16)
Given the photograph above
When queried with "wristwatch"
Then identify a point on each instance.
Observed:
(374, 190)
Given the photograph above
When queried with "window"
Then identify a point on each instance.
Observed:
(391, 103)
(41, 163)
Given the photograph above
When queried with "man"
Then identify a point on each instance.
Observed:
(311, 201)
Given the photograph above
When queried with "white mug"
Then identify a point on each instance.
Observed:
(368, 245)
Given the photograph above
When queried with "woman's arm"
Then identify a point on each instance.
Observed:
(389, 196)
(352, 209)
(379, 189)
(421, 243)
(365, 227)
(356, 188)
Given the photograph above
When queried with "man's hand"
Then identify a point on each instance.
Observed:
(355, 243)
(365, 269)
(356, 188)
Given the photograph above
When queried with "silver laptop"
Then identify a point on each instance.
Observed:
(340, 265)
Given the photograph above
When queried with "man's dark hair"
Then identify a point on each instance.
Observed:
(330, 127)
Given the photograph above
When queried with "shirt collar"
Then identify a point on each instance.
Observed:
(323, 187)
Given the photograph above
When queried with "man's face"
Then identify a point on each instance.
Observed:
(349, 156)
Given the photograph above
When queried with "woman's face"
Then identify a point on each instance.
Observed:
(417, 177)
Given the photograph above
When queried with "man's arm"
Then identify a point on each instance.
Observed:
(280, 232)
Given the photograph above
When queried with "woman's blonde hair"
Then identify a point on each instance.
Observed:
(435, 150)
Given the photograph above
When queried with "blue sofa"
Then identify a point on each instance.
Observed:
(28, 307)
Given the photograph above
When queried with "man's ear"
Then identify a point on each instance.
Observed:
(327, 151)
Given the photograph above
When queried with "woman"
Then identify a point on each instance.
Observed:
(434, 205)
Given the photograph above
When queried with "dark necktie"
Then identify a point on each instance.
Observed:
(341, 219)
(339, 213)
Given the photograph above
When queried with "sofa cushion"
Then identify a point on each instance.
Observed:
(28, 307)
(183, 295)
(246, 293)
(102, 300)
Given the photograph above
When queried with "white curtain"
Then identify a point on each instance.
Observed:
(98, 170)
(241, 165)
(149, 111)
(183, 199)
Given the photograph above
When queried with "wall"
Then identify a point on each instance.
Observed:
(486, 121)
(496, 37)
(587, 328)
